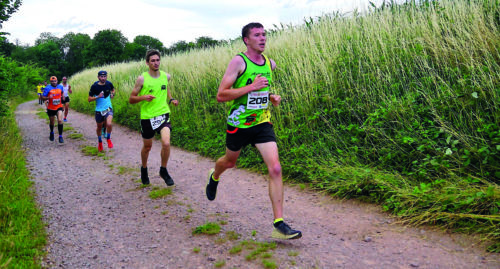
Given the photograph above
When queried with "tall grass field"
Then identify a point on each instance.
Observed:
(400, 107)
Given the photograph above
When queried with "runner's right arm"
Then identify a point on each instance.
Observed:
(92, 95)
(235, 68)
(45, 94)
(134, 98)
(92, 98)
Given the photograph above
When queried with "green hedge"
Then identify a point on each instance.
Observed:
(22, 232)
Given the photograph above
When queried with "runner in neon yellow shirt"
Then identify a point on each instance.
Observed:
(39, 91)
(152, 91)
(246, 83)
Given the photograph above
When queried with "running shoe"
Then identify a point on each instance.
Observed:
(211, 189)
(110, 144)
(283, 231)
(61, 140)
(65, 120)
(144, 176)
(166, 177)
(51, 137)
(100, 147)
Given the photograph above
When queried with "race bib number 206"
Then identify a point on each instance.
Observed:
(157, 121)
(258, 100)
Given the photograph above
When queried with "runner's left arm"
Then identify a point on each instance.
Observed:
(169, 93)
(274, 98)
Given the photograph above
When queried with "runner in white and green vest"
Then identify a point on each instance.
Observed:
(246, 83)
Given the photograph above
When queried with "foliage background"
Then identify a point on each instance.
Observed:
(76, 51)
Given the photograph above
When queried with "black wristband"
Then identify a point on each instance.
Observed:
(171, 99)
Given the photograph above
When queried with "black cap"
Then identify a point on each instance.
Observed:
(102, 73)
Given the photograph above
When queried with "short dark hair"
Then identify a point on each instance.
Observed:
(150, 53)
(246, 29)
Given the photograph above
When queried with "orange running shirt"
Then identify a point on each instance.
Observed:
(54, 94)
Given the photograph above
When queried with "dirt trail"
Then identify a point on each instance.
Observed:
(98, 217)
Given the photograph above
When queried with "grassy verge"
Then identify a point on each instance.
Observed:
(22, 232)
(251, 249)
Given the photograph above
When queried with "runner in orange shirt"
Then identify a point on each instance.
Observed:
(54, 94)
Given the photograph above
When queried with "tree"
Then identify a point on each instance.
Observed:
(134, 51)
(149, 42)
(46, 37)
(23, 54)
(6, 48)
(7, 7)
(75, 49)
(107, 47)
(206, 42)
(201, 42)
(49, 56)
(48, 53)
(142, 43)
(180, 46)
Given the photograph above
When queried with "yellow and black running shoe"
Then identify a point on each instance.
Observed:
(283, 231)
(211, 189)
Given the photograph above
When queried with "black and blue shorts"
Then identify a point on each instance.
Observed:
(100, 116)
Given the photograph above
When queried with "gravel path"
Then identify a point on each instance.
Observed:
(98, 216)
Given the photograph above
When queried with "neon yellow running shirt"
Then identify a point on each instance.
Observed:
(158, 88)
(252, 108)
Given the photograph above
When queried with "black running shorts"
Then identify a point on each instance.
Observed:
(65, 100)
(237, 138)
(147, 130)
(52, 113)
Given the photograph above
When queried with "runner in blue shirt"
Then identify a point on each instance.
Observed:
(101, 92)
